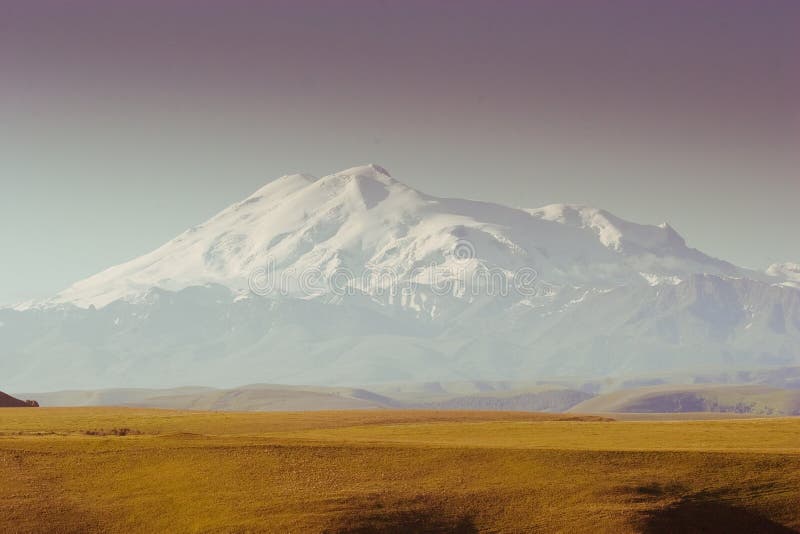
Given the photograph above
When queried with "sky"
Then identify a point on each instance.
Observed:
(123, 123)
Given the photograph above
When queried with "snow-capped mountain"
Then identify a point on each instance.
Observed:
(353, 219)
(787, 273)
(356, 277)
(362, 218)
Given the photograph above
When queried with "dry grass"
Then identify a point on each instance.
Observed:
(391, 471)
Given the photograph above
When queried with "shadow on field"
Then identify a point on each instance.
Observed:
(696, 515)
(414, 516)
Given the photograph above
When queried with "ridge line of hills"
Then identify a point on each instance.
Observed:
(741, 399)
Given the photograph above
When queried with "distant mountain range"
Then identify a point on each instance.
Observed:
(356, 278)
(754, 399)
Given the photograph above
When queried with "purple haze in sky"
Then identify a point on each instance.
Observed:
(680, 110)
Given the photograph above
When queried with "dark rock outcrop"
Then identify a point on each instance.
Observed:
(7, 401)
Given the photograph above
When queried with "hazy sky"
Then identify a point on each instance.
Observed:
(122, 123)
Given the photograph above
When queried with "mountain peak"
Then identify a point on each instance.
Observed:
(370, 169)
(361, 217)
(364, 174)
(291, 183)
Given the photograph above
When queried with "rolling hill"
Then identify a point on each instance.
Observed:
(755, 400)
(270, 397)
(7, 401)
(256, 397)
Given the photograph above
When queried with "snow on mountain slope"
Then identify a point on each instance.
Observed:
(361, 218)
(205, 335)
(787, 273)
(610, 298)
(659, 252)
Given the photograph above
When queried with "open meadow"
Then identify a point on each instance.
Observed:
(146, 470)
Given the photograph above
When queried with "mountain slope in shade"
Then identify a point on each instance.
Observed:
(7, 401)
(552, 400)
(270, 397)
(756, 400)
(608, 298)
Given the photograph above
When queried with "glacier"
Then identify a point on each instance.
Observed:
(378, 284)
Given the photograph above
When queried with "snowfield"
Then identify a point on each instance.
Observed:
(355, 278)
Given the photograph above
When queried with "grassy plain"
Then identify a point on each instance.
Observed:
(139, 470)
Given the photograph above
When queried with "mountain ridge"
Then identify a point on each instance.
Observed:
(411, 229)
(356, 278)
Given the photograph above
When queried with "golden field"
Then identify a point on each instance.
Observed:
(142, 470)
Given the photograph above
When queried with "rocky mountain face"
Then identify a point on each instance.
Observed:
(356, 278)
(7, 401)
